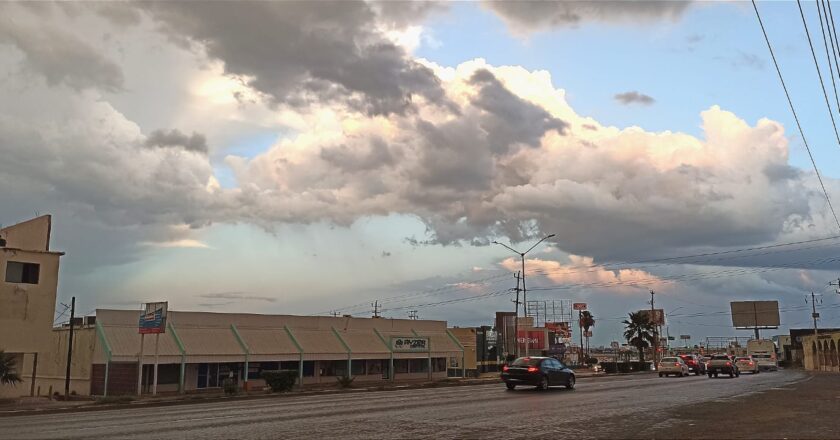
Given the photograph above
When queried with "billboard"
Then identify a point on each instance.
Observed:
(658, 316)
(153, 319)
(579, 306)
(535, 339)
(411, 344)
(755, 314)
(561, 329)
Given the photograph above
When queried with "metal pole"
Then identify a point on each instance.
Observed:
(34, 374)
(105, 390)
(814, 313)
(655, 333)
(525, 307)
(155, 370)
(69, 349)
(140, 366)
(516, 321)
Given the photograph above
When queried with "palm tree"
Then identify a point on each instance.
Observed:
(639, 332)
(587, 321)
(7, 366)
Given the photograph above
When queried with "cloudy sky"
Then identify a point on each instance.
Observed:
(313, 157)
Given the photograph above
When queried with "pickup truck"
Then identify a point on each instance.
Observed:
(722, 364)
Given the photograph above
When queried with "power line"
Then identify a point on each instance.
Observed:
(828, 55)
(819, 73)
(793, 110)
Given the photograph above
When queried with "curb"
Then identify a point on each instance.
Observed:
(294, 394)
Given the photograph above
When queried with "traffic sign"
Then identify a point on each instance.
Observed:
(579, 306)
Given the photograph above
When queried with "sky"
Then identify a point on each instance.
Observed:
(315, 157)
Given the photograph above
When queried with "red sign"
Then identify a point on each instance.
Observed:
(561, 329)
(579, 306)
(535, 339)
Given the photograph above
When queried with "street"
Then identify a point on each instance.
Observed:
(617, 407)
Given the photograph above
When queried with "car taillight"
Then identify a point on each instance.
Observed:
(676, 364)
(533, 369)
(751, 363)
(729, 364)
(505, 368)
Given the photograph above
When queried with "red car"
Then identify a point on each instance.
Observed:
(695, 365)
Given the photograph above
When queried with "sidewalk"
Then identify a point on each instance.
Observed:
(43, 405)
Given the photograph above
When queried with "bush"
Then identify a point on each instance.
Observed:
(230, 386)
(610, 367)
(592, 361)
(641, 366)
(345, 381)
(114, 399)
(624, 367)
(280, 380)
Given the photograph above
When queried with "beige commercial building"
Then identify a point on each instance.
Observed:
(200, 350)
(27, 304)
(821, 351)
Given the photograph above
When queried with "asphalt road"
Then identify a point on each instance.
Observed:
(604, 407)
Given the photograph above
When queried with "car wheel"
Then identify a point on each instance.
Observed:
(710, 375)
(731, 374)
(543, 383)
(660, 374)
(716, 375)
(571, 384)
(510, 386)
(737, 374)
(696, 372)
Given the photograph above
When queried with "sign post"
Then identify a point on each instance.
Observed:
(152, 321)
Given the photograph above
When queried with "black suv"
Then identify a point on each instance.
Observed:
(542, 372)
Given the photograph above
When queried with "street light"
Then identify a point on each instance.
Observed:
(524, 297)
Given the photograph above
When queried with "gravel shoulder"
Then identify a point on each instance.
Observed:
(809, 408)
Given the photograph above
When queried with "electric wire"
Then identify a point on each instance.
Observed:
(793, 111)
(828, 55)
(819, 73)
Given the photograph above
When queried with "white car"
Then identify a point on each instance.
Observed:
(672, 365)
(747, 364)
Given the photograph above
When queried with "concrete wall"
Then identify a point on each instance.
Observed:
(821, 352)
(27, 310)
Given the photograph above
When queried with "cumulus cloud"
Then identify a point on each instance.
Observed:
(298, 52)
(524, 17)
(174, 138)
(583, 271)
(634, 97)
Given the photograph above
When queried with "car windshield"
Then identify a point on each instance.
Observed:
(670, 360)
(742, 359)
(720, 358)
(522, 362)
(761, 356)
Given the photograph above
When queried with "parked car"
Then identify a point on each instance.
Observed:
(541, 372)
(672, 365)
(695, 364)
(722, 364)
(747, 364)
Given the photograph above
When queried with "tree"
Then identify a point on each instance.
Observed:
(587, 321)
(639, 332)
(7, 367)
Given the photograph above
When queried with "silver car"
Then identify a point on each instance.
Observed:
(747, 364)
(672, 365)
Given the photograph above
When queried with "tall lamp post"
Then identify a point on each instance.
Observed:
(524, 297)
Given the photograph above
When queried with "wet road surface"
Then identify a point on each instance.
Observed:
(617, 407)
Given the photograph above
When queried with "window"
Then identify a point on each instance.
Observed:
(401, 365)
(376, 366)
(17, 272)
(308, 368)
(358, 368)
(439, 364)
(418, 365)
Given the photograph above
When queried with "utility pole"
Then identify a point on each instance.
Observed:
(814, 313)
(334, 313)
(837, 284)
(655, 333)
(516, 318)
(69, 349)
(412, 314)
(375, 306)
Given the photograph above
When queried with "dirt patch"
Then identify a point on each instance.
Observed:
(806, 409)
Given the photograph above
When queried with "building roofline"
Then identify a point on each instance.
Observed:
(31, 251)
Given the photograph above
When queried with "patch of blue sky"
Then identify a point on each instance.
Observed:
(714, 55)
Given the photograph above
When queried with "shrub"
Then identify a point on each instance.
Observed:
(624, 367)
(230, 386)
(610, 367)
(592, 361)
(114, 399)
(280, 380)
(345, 381)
